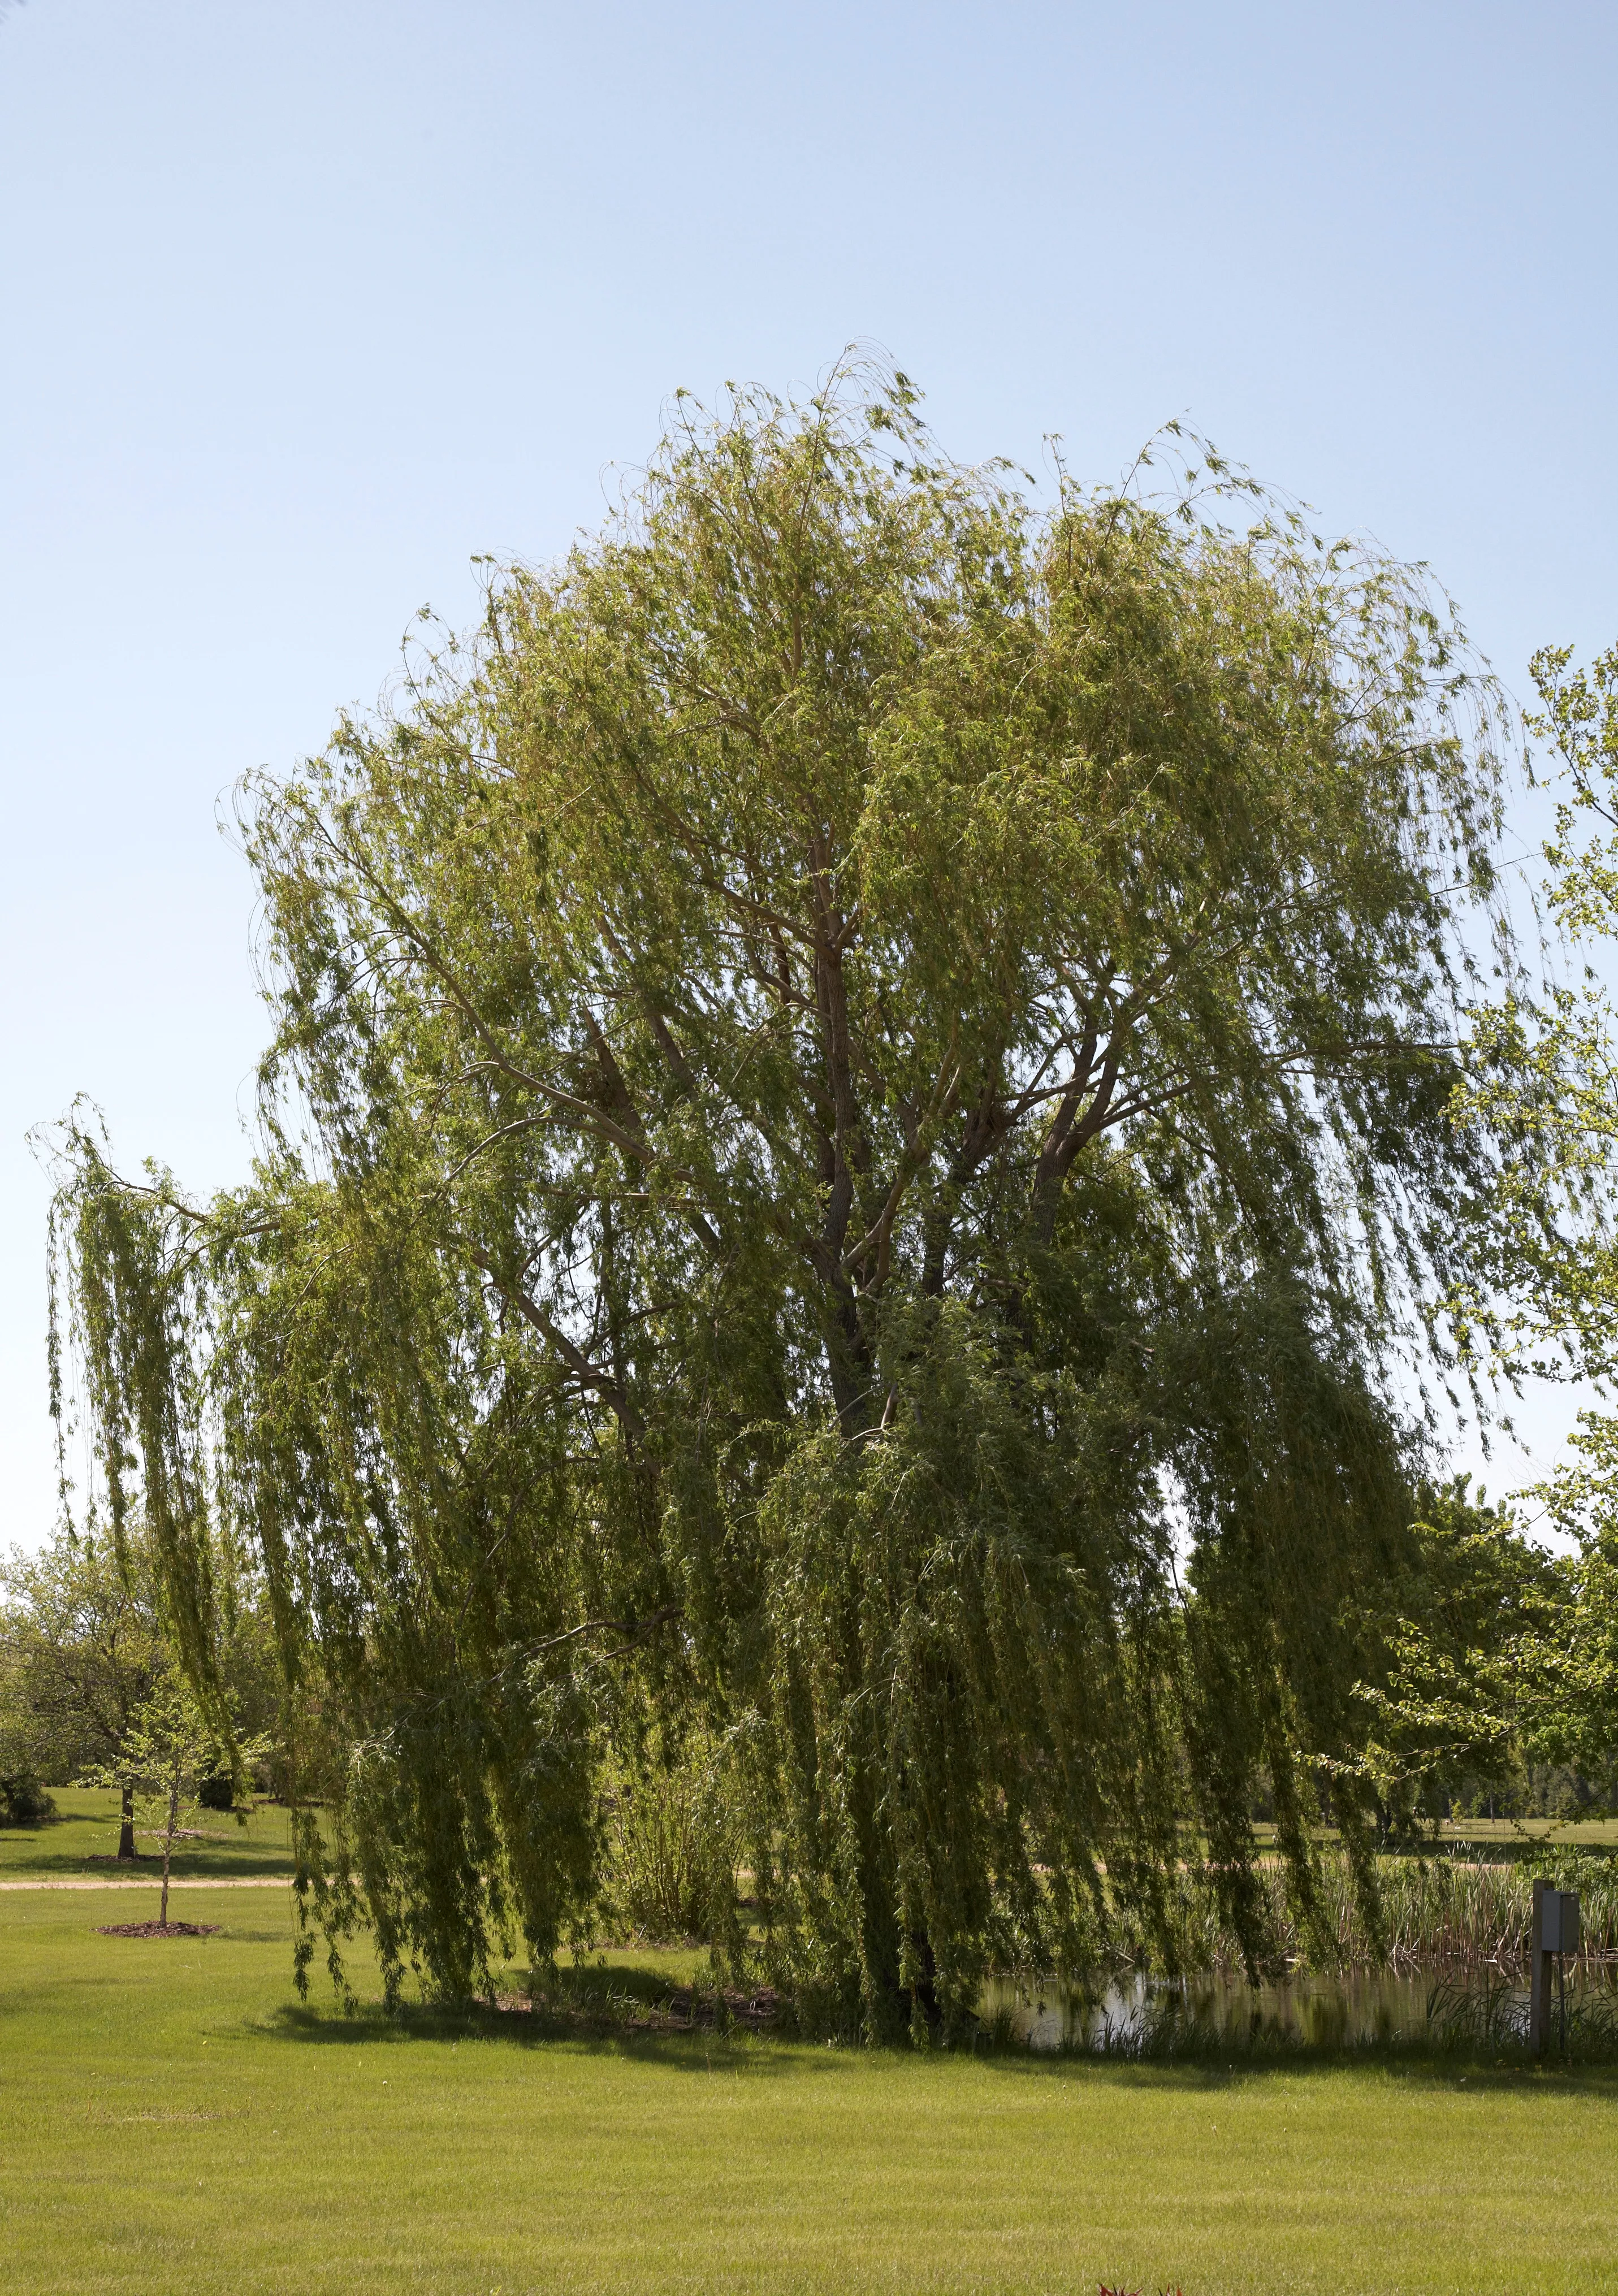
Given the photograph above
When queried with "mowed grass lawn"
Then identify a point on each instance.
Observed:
(170, 2120)
(84, 1832)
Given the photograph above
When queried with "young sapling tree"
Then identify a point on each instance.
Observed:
(171, 1749)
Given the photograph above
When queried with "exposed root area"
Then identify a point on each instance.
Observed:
(686, 2010)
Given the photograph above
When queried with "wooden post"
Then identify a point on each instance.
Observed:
(1538, 1977)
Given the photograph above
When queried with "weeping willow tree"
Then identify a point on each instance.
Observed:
(859, 1096)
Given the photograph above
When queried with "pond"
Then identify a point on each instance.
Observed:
(1361, 2007)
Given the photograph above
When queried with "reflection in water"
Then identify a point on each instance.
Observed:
(1361, 2007)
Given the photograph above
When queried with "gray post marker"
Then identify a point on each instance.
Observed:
(1561, 1937)
(1539, 1975)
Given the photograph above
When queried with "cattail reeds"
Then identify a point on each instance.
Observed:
(1440, 1908)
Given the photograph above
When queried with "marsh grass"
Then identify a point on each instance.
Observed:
(671, 1846)
(1435, 1908)
(1485, 2015)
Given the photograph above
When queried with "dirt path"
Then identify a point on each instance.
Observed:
(151, 1881)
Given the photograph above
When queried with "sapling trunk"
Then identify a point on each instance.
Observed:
(174, 1820)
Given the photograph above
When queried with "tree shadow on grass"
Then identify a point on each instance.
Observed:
(1413, 2061)
(699, 2052)
(625, 2011)
(705, 2050)
(637, 2013)
(60, 1844)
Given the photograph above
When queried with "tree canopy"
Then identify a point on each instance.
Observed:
(1473, 1688)
(862, 1090)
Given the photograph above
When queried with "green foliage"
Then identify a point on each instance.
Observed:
(1442, 1907)
(862, 1081)
(170, 1747)
(23, 1801)
(1468, 1676)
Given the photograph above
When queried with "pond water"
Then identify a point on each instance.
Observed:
(1361, 2007)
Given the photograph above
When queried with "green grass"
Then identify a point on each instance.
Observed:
(1582, 1832)
(171, 2121)
(87, 1823)
(1519, 1833)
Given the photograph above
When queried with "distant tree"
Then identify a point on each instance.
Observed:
(81, 1651)
(1467, 1688)
(876, 1067)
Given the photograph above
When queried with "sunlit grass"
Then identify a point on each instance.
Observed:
(85, 1830)
(171, 2119)
(1500, 1832)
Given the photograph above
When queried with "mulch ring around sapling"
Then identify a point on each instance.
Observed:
(158, 1929)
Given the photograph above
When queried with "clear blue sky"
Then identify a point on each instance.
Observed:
(305, 301)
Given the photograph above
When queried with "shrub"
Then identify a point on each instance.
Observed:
(23, 1801)
(671, 1850)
